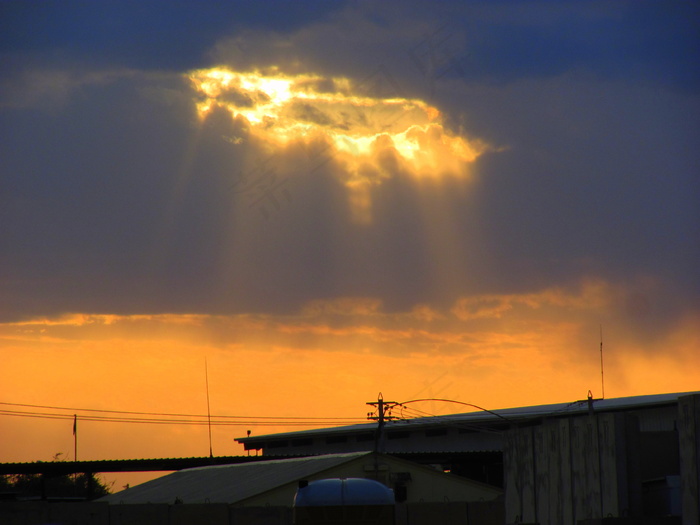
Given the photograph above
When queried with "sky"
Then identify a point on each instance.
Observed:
(281, 210)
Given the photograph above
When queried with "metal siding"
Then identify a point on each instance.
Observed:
(527, 480)
(222, 483)
(566, 473)
(608, 446)
(554, 474)
(275, 482)
(689, 436)
(662, 419)
(585, 468)
(542, 472)
(513, 499)
(519, 464)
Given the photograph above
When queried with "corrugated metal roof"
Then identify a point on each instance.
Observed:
(228, 483)
(494, 416)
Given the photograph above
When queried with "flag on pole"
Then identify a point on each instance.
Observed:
(75, 424)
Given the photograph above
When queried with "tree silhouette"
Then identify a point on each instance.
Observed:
(32, 486)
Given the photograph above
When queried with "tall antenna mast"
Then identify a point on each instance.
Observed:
(602, 376)
(206, 376)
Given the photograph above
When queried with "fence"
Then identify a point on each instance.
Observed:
(42, 512)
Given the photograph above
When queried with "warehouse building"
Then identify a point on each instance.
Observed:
(635, 457)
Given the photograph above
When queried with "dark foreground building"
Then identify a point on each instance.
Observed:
(626, 461)
(636, 458)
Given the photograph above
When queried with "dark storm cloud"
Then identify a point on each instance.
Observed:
(595, 172)
(645, 41)
(130, 207)
(495, 42)
(173, 35)
(89, 191)
(594, 109)
(116, 201)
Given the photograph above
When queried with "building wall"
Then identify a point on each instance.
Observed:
(397, 438)
(689, 437)
(422, 483)
(565, 470)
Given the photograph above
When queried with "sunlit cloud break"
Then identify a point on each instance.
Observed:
(367, 127)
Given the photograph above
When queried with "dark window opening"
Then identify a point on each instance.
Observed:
(400, 492)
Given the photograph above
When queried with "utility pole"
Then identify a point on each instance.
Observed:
(75, 437)
(381, 415)
(602, 377)
(75, 449)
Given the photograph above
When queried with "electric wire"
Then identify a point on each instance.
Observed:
(305, 418)
(447, 420)
(459, 403)
(565, 408)
(103, 419)
(451, 422)
(163, 418)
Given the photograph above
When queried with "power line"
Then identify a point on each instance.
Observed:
(163, 421)
(173, 415)
(448, 420)
(459, 403)
(48, 412)
(384, 413)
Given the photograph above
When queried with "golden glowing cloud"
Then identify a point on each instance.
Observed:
(372, 137)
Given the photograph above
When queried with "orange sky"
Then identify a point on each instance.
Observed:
(328, 361)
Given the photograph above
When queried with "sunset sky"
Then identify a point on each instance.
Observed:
(328, 200)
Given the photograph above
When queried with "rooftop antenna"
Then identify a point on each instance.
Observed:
(206, 376)
(602, 376)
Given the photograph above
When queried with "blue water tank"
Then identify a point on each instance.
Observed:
(343, 491)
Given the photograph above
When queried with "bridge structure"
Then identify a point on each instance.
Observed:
(52, 469)
(60, 468)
